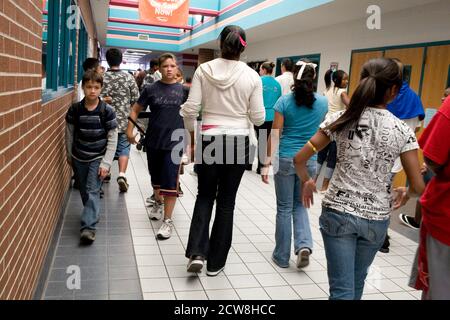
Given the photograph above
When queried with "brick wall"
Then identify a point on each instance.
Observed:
(34, 177)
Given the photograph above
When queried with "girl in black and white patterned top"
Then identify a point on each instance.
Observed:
(356, 209)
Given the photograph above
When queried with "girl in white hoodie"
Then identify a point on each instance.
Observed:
(230, 93)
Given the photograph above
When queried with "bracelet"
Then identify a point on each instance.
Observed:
(312, 146)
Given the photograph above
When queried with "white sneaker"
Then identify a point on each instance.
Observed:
(165, 232)
(157, 212)
(303, 258)
(214, 273)
(195, 264)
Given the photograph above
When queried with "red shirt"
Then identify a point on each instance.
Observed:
(435, 142)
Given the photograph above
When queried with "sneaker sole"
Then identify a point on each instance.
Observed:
(195, 267)
(304, 260)
(214, 273)
(161, 237)
(123, 186)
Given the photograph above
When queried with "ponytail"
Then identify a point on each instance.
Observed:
(303, 89)
(377, 77)
(232, 42)
(327, 79)
(335, 77)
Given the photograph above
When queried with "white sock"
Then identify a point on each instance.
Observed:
(122, 174)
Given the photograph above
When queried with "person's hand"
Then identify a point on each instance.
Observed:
(102, 173)
(265, 174)
(424, 169)
(131, 137)
(107, 99)
(401, 197)
(309, 188)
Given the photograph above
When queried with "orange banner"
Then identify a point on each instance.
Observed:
(164, 12)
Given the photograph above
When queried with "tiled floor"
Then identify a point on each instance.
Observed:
(161, 265)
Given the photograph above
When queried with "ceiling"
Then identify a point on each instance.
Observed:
(321, 14)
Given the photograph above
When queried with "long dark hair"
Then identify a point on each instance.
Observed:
(377, 77)
(303, 89)
(230, 42)
(334, 76)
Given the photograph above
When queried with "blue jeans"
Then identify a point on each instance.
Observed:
(288, 188)
(351, 244)
(90, 184)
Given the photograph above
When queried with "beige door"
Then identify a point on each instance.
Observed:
(412, 58)
(436, 75)
(358, 60)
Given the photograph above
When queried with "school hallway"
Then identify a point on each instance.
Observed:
(127, 262)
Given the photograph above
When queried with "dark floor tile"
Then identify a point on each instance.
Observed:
(130, 296)
(121, 261)
(91, 250)
(124, 286)
(58, 289)
(90, 297)
(93, 261)
(124, 250)
(92, 287)
(86, 273)
(119, 232)
(119, 240)
(123, 273)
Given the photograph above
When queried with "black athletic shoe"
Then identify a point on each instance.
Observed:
(386, 244)
(409, 221)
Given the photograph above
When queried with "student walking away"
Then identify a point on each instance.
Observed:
(153, 73)
(271, 94)
(408, 107)
(356, 208)
(297, 118)
(121, 92)
(431, 269)
(230, 93)
(336, 83)
(286, 79)
(91, 141)
(414, 222)
(164, 98)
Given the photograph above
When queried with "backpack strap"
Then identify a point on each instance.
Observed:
(76, 110)
(103, 115)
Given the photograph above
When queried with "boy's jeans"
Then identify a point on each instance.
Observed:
(351, 244)
(90, 184)
(290, 210)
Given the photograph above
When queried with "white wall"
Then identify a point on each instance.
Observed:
(420, 24)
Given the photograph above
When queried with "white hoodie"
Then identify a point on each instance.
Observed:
(228, 92)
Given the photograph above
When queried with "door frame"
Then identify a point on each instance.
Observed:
(424, 45)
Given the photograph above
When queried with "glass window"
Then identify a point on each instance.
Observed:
(58, 46)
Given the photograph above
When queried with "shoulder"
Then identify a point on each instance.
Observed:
(109, 109)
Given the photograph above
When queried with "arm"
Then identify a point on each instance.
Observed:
(257, 112)
(410, 162)
(69, 141)
(272, 144)
(135, 110)
(319, 141)
(190, 110)
(433, 166)
(110, 151)
(345, 99)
